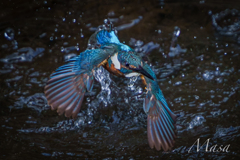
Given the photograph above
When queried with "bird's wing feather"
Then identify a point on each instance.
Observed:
(161, 120)
(66, 87)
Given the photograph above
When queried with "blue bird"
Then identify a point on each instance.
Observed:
(67, 86)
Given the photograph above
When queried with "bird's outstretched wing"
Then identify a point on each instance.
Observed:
(66, 87)
(161, 120)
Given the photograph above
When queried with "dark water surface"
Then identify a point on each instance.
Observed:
(199, 76)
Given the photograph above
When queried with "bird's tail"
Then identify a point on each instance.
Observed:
(66, 88)
(161, 120)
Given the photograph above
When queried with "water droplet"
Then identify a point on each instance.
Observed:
(135, 119)
(105, 21)
(111, 13)
(126, 100)
(74, 20)
(81, 35)
(15, 44)
(85, 135)
(19, 32)
(62, 49)
(88, 99)
(176, 31)
(4, 46)
(178, 83)
(139, 43)
(140, 90)
(209, 12)
(63, 19)
(9, 34)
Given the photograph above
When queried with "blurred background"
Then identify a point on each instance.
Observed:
(192, 46)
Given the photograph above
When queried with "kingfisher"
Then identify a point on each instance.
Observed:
(67, 86)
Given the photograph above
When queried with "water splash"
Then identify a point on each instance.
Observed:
(108, 24)
(141, 49)
(131, 83)
(37, 102)
(227, 22)
(197, 121)
(26, 54)
(129, 25)
(226, 134)
(102, 76)
(69, 49)
(217, 75)
(175, 48)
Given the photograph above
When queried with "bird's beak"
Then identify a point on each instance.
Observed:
(143, 72)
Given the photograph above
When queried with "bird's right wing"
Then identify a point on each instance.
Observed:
(66, 87)
(161, 120)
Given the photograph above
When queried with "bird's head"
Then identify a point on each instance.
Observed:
(131, 65)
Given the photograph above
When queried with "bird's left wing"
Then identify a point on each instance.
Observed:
(66, 87)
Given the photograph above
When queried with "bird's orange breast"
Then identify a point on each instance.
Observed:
(113, 70)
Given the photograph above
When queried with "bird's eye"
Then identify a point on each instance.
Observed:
(127, 65)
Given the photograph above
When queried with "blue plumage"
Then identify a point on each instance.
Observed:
(104, 37)
(67, 86)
